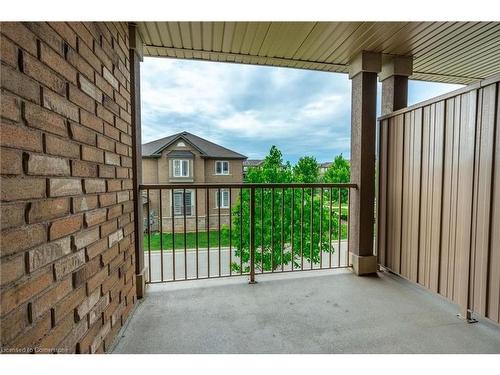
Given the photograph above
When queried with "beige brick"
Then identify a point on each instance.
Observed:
(106, 171)
(12, 215)
(22, 238)
(91, 121)
(46, 165)
(10, 108)
(92, 154)
(64, 186)
(111, 158)
(61, 147)
(64, 227)
(11, 268)
(21, 137)
(11, 162)
(84, 308)
(47, 300)
(82, 134)
(115, 237)
(43, 210)
(87, 237)
(95, 217)
(81, 99)
(20, 293)
(94, 185)
(48, 253)
(108, 76)
(43, 74)
(85, 203)
(68, 264)
(89, 88)
(40, 118)
(57, 63)
(19, 83)
(60, 105)
(83, 169)
(98, 308)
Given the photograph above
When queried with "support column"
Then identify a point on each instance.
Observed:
(394, 78)
(136, 56)
(363, 73)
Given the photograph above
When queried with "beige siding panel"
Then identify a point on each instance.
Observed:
(493, 301)
(484, 168)
(382, 194)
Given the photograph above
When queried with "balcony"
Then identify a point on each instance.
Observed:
(329, 311)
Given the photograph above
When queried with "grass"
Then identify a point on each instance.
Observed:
(202, 240)
(190, 240)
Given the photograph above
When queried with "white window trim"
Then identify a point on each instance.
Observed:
(222, 191)
(181, 169)
(193, 202)
(222, 169)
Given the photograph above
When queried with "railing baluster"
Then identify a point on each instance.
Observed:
(348, 221)
(272, 230)
(149, 237)
(219, 203)
(160, 223)
(311, 234)
(185, 232)
(207, 224)
(241, 231)
(321, 229)
(230, 232)
(330, 214)
(196, 229)
(282, 227)
(252, 235)
(340, 221)
(262, 230)
(302, 230)
(292, 225)
(172, 201)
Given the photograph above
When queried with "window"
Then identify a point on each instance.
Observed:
(222, 200)
(222, 167)
(183, 203)
(181, 168)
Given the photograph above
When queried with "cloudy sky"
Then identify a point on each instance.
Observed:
(250, 108)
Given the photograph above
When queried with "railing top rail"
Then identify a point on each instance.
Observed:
(246, 186)
(474, 86)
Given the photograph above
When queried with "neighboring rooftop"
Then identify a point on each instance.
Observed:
(326, 164)
(252, 162)
(206, 148)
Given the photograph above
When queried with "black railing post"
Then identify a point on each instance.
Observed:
(252, 235)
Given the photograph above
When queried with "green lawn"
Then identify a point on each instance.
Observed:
(202, 240)
(190, 240)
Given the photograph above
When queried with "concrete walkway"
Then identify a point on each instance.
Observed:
(307, 312)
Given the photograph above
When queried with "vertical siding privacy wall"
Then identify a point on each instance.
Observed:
(439, 196)
(67, 238)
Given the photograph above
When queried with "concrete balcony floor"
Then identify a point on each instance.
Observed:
(305, 312)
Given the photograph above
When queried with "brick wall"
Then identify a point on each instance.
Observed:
(67, 251)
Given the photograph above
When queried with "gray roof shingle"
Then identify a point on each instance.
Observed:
(206, 148)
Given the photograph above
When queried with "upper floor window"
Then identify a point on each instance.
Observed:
(181, 168)
(222, 167)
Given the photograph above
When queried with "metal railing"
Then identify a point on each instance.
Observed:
(201, 231)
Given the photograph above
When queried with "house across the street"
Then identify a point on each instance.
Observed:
(185, 158)
(251, 163)
(323, 167)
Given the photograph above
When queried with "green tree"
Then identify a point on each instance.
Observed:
(339, 172)
(290, 224)
(306, 170)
